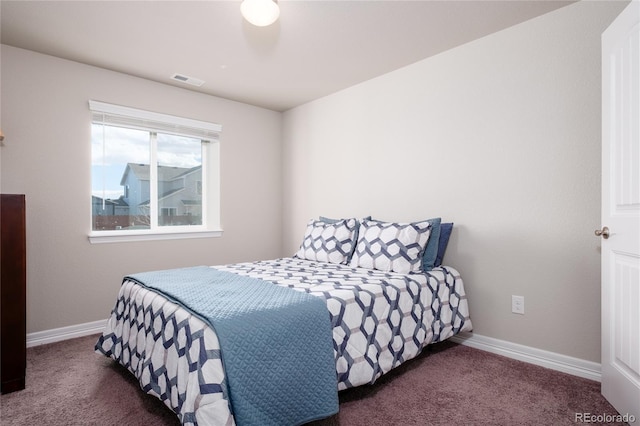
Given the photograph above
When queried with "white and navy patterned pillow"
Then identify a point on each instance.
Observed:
(328, 242)
(391, 247)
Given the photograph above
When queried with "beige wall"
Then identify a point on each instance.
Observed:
(500, 136)
(46, 156)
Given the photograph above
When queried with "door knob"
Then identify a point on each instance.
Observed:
(604, 232)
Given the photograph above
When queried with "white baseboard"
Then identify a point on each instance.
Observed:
(65, 333)
(566, 364)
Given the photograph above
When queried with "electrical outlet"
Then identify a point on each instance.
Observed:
(517, 304)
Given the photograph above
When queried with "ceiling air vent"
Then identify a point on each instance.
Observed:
(186, 79)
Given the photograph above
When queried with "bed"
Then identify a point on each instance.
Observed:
(383, 310)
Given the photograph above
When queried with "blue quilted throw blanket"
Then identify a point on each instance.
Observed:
(277, 346)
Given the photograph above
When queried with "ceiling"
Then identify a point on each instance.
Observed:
(316, 47)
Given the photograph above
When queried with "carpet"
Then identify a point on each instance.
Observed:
(69, 384)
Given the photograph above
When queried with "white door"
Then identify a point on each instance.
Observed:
(620, 231)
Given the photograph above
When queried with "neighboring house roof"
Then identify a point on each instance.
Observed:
(121, 202)
(187, 171)
(98, 200)
(118, 202)
(165, 173)
(163, 195)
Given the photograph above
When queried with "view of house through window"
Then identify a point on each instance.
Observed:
(143, 179)
(152, 173)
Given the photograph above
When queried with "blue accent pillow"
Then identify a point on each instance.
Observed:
(445, 233)
(329, 220)
(431, 252)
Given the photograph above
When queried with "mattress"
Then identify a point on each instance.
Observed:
(379, 320)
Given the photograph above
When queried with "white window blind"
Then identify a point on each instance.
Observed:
(132, 118)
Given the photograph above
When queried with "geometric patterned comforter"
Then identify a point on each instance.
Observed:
(379, 319)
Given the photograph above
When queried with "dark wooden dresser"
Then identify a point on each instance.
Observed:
(13, 295)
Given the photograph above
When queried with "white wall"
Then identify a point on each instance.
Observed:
(46, 121)
(500, 136)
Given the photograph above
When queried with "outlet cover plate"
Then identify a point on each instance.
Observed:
(517, 304)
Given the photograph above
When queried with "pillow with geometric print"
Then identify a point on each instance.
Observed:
(390, 246)
(355, 236)
(328, 242)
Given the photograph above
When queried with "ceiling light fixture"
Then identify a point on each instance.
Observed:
(260, 12)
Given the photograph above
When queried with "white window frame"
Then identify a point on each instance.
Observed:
(116, 115)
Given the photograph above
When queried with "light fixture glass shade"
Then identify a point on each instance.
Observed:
(260, 12)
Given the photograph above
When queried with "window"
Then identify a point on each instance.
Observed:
(152, 175)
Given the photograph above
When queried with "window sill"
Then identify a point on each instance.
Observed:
(125, 237)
